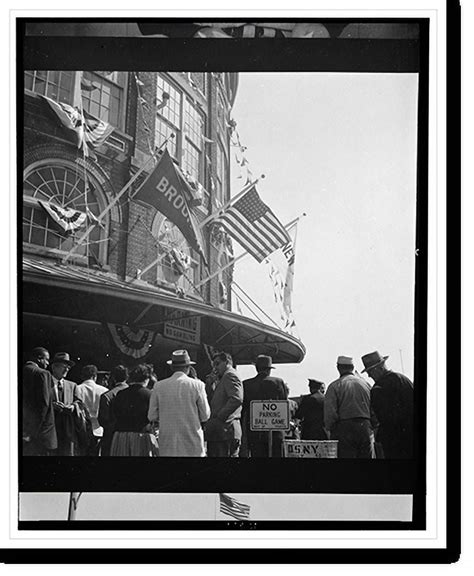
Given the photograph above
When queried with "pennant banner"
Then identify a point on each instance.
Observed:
(164, 190)
(134, 343)
(68, 219)
(282, 271)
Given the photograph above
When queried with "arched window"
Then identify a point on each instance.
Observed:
(178, 263)
(67, 186)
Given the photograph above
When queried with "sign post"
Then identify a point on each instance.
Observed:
(269, 415)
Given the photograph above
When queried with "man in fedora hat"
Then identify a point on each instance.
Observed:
(347, 415)
(263, 387)
(64, 398)
(178, 407)
(392, 403)
(39, 431)
(224, 431)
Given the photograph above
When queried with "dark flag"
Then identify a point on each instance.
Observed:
(233, 508)
(163, 189)
(254, 226)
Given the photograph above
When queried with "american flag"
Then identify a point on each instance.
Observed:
(233, 508)
(254, 226)
(96, 132)
(88, 130)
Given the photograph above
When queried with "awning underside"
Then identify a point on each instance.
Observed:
(67, 291)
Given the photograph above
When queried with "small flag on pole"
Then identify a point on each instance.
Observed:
(233, 508)
(254, 226)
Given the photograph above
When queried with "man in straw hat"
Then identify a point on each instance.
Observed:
(263, 387)
(73, 426)
(392, 403)
(347, 412)
(178, 405)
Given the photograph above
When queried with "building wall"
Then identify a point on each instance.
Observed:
(130, 243)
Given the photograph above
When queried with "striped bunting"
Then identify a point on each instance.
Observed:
(96, 132)
(67, 218)
(233, 508)
(254, 226)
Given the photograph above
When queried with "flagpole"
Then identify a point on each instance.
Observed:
(73, 503)
(116, 199)
(234, 260)
(203, 223)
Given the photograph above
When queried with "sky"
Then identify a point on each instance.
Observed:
(342, 149)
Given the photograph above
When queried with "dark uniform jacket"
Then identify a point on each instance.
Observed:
(311, 412)
(38, 413)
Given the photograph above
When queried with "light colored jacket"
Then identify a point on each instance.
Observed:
(90, 392)
(347, 397)
(179, 405)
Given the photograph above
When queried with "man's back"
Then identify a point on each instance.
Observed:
(311, 412)
(38, 414)
(392, 401)
(180, 403)
(347, 397)
(263, 388)
(90, 392)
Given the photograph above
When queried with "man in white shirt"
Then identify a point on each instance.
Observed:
(90, 392)
(179, 406)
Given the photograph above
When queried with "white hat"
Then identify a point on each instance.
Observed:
(345, 361)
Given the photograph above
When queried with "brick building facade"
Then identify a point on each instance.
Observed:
(133, 290)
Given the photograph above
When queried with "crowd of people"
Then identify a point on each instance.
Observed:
(183, 416)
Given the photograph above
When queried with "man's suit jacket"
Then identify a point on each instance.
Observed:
(38, 413)
(262, 387)
(66, 421)
(226, 408)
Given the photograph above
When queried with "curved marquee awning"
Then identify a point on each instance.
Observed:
(93, 295)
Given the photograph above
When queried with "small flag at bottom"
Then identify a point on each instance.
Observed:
(231, 507)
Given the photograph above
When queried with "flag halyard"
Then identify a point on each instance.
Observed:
(232, 507)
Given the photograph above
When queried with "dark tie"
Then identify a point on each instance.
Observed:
(60, 391)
